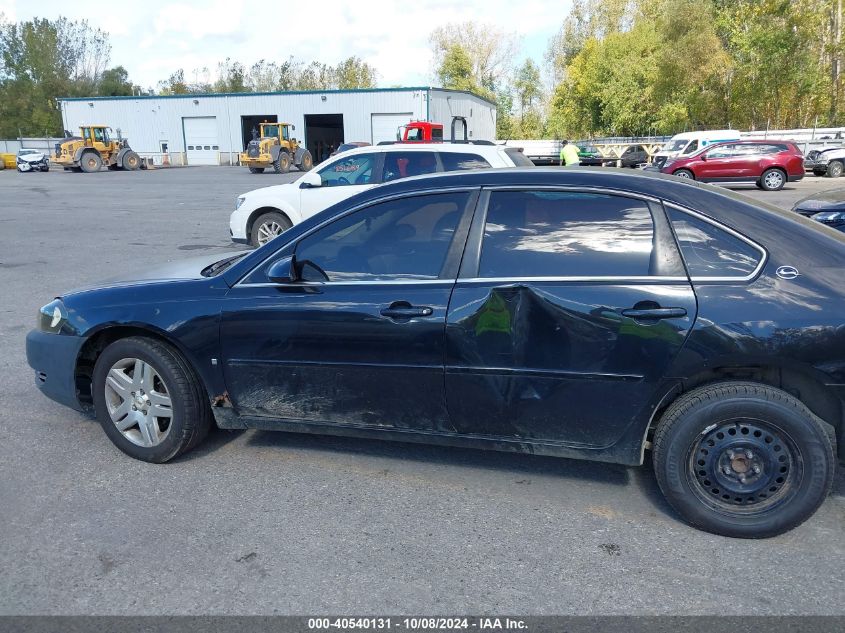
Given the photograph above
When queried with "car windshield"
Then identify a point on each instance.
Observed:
(218, 267)
(24, 152)
(675, 146)
(271, 131)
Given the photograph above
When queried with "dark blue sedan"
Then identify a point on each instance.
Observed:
(588, 314)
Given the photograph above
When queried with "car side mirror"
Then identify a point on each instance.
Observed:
(310, 181)
(283, 271)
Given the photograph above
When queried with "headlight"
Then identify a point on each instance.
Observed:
(822, 161)
(668, 163)
(52, 317)
(239, 202)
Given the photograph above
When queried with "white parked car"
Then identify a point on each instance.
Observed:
(262, 214)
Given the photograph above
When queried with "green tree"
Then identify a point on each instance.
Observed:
(114, 82)
(231, 77)
(41, 60)
(489, 51)
(528, 87)
(456, 72)
(353, 72)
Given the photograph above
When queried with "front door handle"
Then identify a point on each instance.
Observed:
(655, 314)
(404, 310)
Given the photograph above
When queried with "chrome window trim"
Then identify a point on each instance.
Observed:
(764, 254)
(357, 282)
(327, 221)
(620, 280)
(624, 193)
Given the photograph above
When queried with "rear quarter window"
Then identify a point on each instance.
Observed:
(518, 158)
(459, 161)
(711, 252)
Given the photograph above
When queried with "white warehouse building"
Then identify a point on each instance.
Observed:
(212, 129)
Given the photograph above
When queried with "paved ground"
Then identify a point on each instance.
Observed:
(258, 522)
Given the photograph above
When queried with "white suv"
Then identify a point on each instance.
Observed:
(262, 214)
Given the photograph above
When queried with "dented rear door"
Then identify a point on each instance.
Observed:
(569, 309)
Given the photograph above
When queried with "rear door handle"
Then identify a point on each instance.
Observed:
(404, 310)
(655, 313)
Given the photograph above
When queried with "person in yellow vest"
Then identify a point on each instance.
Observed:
(569, 154)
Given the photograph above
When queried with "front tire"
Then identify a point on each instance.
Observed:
(743, 459)
(267, 227)
(282, 163)
(684, 173)
(834, 169)
(772, 180)
(131, 161)
(148, 400)
(306, 161)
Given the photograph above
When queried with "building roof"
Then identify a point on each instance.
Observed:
(195, 95)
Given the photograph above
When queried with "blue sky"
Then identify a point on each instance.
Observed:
(152, 39)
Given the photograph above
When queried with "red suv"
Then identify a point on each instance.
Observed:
(768, 164)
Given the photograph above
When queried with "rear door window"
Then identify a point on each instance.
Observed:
(403, 164)
(458, 161)
(566, 234)
(711, 252)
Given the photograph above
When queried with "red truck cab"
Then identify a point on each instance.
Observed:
(420, 132)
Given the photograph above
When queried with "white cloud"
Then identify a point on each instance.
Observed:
(152, 40)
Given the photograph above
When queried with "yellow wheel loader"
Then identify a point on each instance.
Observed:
(95, 148)
(274, 148)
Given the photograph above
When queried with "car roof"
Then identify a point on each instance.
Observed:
(427, 147)
(750, 217)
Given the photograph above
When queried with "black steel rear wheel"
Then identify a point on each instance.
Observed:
(743, 459)
(744, 466)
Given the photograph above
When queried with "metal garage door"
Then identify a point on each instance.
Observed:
(385, 125)
(201, 145)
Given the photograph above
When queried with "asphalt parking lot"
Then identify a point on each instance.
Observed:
(260, 522)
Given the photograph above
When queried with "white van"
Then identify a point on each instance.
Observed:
(688, 142)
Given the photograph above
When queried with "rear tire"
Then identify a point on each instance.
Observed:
(772, 180)
(90, 162)
(256, 170)
(267, 227)
(743, 459)
(834, 169)
(188, 417)
(684, 173)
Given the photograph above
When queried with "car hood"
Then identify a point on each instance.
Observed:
(31, 158)
(270, 192)
(183, 269)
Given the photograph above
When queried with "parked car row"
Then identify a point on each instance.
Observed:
(769, 164)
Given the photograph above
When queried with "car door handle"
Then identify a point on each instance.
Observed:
(402, 310)
(655, 313)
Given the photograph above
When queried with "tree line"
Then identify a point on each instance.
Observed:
(615, 67)
(656, 67)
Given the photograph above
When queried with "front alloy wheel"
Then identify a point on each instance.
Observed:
(268, 227)
(149, 400)
(138, 402)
